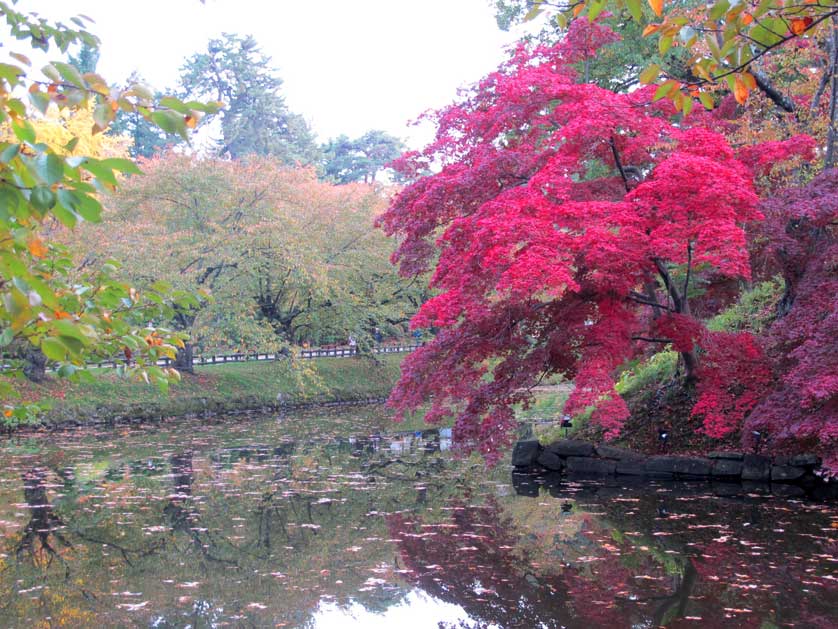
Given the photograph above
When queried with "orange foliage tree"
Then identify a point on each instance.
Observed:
(281, 257)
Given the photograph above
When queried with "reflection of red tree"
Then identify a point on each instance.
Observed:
(771, 589)
(607, 591)
(472, 560)
(469, 560)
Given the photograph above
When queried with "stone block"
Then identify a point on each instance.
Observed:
(733, 456)
(660, 464)
(786, 473)
(691, 466)
(635, 467)
(756, 467)
(550, 460)
(805, 460)
(525, 453)
(619, 454)
(726, 468)
(571, 447)
(593, 467)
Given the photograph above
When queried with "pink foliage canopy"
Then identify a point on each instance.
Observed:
(802, 410)
(553, 209)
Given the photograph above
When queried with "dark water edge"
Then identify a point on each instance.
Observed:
(319, 519)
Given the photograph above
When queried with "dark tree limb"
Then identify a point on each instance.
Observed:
(767, 87)
(651, 339)
(643, 299)
(619, 163)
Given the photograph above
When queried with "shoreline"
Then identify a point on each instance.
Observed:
(233, 389)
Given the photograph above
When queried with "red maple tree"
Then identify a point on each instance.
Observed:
(566, 224)
(802, 408)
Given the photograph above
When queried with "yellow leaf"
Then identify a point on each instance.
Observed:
(650, 29)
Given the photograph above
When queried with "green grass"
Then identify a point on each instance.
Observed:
(755, 310)
(640, 375)
(217, 389)
(546, 405)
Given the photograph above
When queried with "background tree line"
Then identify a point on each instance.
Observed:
(255, 119)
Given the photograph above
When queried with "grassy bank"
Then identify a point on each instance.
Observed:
(216, 389)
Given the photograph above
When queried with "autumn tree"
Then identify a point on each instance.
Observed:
(255, 118)
(571, 224)
(58, 128)
(68, 314)
(614, 64)
(802, 409)
(726, 45)
(282, 257)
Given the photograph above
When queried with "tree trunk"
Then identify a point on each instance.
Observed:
(36, 364)
(184, 361)
(681, 305)
(690, 367)
(832, 131)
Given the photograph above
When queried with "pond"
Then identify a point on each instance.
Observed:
(317, 520)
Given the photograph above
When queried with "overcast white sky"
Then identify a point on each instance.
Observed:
(348, 65)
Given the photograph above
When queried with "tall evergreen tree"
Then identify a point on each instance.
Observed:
(86, 59)
(255, 118)
(346, 160)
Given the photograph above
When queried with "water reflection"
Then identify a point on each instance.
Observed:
(313, 522)
(42, 539)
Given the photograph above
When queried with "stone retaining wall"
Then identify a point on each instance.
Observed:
(581, 458)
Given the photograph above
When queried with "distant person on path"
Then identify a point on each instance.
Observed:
(353, 345)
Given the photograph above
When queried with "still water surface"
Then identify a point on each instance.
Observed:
(318, 521)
